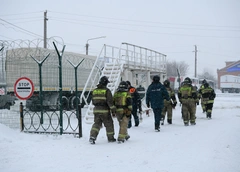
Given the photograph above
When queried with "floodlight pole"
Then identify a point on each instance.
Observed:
(87, 45)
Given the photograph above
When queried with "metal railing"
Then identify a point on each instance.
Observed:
(30, 121)
(130, 56)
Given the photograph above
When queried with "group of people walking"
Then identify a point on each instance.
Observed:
(123, 105)
(126, 102)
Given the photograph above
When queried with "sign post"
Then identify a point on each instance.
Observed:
(23, 88)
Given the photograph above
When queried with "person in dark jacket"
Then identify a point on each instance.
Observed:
(102, 99)
(156, 93)
(136, 104)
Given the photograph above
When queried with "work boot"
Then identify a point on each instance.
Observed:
(112, 140)
(127, 137)
(209, 115)
(120, 140)
(193, 123)
(136, 122)
(169, 121)
(157, 127)
(92, 140)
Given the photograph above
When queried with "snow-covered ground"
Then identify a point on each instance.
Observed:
(210, 146)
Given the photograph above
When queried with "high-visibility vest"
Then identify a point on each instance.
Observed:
(121, 98)
(99, 96)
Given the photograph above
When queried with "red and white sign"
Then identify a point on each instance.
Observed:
(2, 91)
(23, 88)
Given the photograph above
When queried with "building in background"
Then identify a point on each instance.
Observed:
(229, 77)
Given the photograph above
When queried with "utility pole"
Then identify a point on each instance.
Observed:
(45, 30)
(195, 61)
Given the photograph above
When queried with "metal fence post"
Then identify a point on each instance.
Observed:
(40, 84)
(60, 86)
(21, 117)
(80, 120)
(78, 107)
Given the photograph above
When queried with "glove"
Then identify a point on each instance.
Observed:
(174, 105)
(128, 116)
(114, 114)
(211, 97)
(197, 103)
(147, 112)
(113, 111)
(127, 112)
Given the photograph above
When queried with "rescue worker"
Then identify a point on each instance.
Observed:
(103, 101)
(208, 95)
(123, 103)
(155, 95)
(136, 105)
(187, 96)
(168, 105)
(197, 100)
(202, 100)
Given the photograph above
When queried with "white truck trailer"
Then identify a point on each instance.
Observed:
(230, 84)
(19, 63)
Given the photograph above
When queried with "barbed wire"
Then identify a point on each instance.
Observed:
(9, 44)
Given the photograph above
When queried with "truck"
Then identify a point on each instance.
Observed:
(230, 84)
(6, 101)
(20, 63)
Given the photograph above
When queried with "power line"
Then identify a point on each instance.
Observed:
(67, 20)
(76, 21)
(20, 28)
(17, 14)
(131, 21)
(26, 18)
(143, 21)
(216, 54)
(164, 33)
(5, 37)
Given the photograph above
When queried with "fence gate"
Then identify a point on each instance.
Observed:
(30, 121)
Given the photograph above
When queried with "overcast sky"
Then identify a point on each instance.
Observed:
(171, 27)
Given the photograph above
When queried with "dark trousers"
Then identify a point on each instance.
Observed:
(135, 116)
(157, 116)
(209, 107)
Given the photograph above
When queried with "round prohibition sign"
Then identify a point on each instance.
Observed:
(23, 88)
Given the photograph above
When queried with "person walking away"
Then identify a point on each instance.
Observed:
(187, 95)
(208, 95)
(168, 105)
(136, 105)
(155, 95)
(102, 100)
(123, 103)
(202, 100)
(197, 100)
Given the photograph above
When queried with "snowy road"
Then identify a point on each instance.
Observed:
(211, 145)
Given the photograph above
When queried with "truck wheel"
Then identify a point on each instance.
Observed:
(7, 106)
